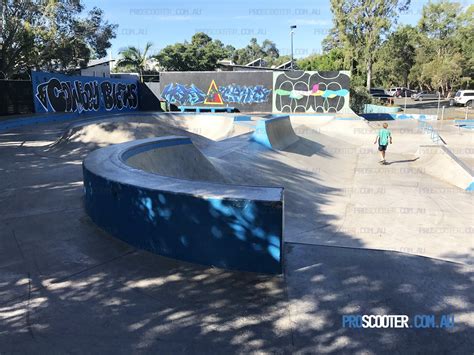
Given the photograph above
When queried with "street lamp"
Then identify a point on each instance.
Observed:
(292, 27)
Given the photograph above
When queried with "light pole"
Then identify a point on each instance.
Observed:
(292, 27)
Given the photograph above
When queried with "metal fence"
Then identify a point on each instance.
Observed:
(16, 97)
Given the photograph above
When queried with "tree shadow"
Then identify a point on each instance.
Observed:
(66, 286)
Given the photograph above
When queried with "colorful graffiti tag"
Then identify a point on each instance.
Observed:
(245, 94)
(310, 91)
(260, 91)
(61, 93)
(180, 94)
(213, 96)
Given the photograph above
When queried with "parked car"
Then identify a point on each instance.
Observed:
(380, 94)
(464, 97)
(393, 91)
(405, 92)
(425, 95)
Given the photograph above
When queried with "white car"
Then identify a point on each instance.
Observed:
(464, 97)
(393, 91)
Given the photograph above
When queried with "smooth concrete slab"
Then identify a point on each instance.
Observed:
(325, 283)
(65, 286)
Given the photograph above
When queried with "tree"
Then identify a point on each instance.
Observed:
(267, 51)
(465, 41)
(360, 26)
(132, 58)
(51, 35)
(396, 57)
(445, 46)
(202, 53)
(333, 60)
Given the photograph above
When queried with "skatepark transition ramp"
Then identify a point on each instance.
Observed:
(275, 133)
(440, 162)
(209, 223)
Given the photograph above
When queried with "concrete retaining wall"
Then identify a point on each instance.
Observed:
(260, 91)
(231, 227)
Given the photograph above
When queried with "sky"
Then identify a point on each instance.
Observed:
(165, 22)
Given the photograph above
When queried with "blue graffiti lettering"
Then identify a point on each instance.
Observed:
(182, 94)
(244, 94)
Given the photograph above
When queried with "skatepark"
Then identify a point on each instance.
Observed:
(330, 232)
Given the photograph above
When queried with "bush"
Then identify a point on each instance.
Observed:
(359, 97)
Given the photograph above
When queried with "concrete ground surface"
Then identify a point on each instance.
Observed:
(361, 238)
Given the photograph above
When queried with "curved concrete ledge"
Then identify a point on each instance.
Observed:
(275, 133)
(227, 226)
(440, 162)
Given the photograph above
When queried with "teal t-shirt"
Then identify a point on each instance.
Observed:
(384, 134)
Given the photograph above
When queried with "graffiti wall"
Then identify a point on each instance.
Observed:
(311, 92)
(246, 91)
(260, 91)
(82, 94)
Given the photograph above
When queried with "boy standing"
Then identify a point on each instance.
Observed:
(383, 138)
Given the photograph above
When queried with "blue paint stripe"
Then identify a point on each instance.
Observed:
(463, 122)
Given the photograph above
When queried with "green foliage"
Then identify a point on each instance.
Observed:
(444, 50)
(202, 53)
(395, 58)
(267, 51)
(330, 61)
(52, 35)
(134, 59)
(359, 97)
(436, 54)
(359, 26)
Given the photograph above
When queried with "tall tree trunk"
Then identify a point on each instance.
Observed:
(369, 73)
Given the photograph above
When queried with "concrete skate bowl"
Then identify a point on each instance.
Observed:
(162, 195)
(89, 134)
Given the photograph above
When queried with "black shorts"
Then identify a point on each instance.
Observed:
(383, 148)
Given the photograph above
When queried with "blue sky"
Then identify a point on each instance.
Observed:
(166, 22)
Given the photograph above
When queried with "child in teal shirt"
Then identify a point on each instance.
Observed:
(383, 138)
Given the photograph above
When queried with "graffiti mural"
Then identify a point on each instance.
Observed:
(245, 94)
(260, 91)
(179, 94)
(62, 93)
(310, 91)
(244, 90)
(213, 96)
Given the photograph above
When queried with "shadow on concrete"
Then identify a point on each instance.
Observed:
(65, 286)
(306, 147)
(325, 283)
(401, 161)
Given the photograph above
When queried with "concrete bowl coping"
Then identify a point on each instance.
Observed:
(227, 226)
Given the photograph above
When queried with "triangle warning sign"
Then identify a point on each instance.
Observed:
(213, 96)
